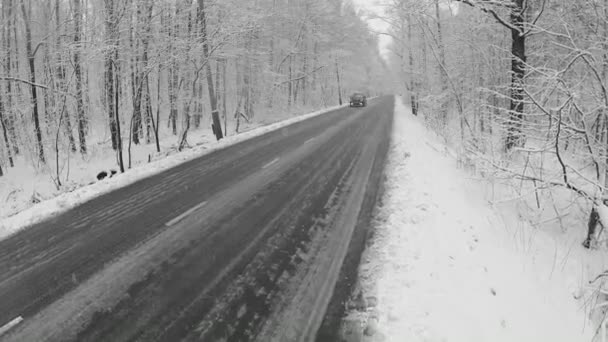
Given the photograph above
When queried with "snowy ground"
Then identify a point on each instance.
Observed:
(28, 196)
(445, 265)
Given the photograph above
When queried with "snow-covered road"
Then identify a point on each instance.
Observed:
(444, 266)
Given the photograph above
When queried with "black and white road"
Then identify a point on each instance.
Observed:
(254, 242)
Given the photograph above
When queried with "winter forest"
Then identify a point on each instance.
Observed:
(520, 87)
(513, 93)
(116, 82)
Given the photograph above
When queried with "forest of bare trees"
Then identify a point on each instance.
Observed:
(519, 85)
(78, 75)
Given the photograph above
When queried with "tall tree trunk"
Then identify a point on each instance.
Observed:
(32, 70)
(60, 72)
(224, 110)
(217, 125)
(147, 100)
(219, 95)
(315, 61)
(425, 75)
(16, 66)
(144, 72)
(304, 81)
(295, 84)
(80, 115)
(157, 109)
(198, 113)
(518, 69)
(594, 218)
(290, 82)
(10, 116)
(173, 78)
(183, 141)
(121, 163)
(48, 77)
(605, 80)
(413, 100)
(442, 75)
(172, 86)
(338, 81)
(270, 95)
(201, 104)
(248, 80)
(112, 50)
(136, 75)
(5, 135)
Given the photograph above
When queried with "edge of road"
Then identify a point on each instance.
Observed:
(69, 200)
(345, 292)
(343, 117)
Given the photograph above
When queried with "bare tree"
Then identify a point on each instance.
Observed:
(31, 56)
(441, 54)
(80, 114)
(520, 29)
(111, 77)
(202, 19)
(5, 135)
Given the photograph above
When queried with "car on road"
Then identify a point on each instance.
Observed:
(358, 100)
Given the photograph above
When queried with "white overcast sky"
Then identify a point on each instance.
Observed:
(375, 6)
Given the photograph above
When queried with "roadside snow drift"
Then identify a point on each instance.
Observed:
(444, 266)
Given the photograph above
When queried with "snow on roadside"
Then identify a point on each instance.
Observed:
(443, 265)
(66, 201)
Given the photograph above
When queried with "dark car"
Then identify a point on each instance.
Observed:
(358, 100)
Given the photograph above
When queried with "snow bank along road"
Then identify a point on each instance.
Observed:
(245, 243)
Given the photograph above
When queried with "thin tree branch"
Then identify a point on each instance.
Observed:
(542, 9)
(300, 77)
(500, 20)
(15, 79)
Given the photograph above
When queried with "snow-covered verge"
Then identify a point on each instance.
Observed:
(17, 189)
(446, 265)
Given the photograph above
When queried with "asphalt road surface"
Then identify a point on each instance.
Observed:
(255, 242)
